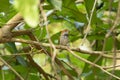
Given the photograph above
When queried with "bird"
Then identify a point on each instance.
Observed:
(64, 40)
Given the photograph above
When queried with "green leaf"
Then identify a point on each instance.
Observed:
(55, 38)
(12, 48)
(89, 5)
(109, 44)
(8, 75)
(21, 69)
(104, 76)
(56, 3)
(69, 8)
(4, 5)
(40, 33)
(89, 72)
(29, 10)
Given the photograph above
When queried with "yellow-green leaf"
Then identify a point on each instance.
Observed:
(29, 10)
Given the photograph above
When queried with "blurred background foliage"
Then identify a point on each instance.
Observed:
(67, 14)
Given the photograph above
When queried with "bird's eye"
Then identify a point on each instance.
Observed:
(65, 34)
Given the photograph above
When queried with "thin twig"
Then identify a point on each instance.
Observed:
(109, 67)
(15, 54)
(1, 59)
(89, 23)
(52, 47)
(91, 63)
(48, 35)
(103, 51)
(116, 22)
(114, 56)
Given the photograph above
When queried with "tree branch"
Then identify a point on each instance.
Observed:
(38, 44)
(13, 22)
(5, 31)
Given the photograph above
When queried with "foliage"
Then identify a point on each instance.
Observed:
(45, 19)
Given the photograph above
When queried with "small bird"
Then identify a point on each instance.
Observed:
(64, 38)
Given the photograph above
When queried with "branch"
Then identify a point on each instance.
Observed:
(13, 22)
(21, 32)
(5, 31)
(109, 67)
(37, 66)
(38, 44)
